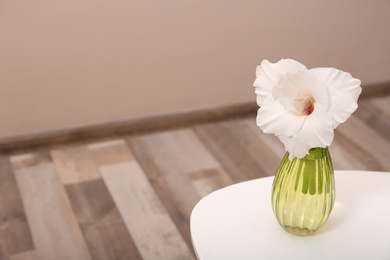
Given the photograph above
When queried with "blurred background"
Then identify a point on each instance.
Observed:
(66, 64)
(69, 66)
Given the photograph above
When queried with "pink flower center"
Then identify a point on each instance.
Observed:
(305, 105)
(308, 106)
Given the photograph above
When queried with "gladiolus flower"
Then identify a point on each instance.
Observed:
(301, 106)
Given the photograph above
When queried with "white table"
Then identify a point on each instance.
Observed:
(237, 222)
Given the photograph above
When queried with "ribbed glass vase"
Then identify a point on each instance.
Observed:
(303, 192)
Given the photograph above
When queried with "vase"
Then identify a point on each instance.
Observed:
(303, 192)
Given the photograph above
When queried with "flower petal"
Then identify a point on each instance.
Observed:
(292, 86)
(344, 91)
(317, 131)
(268, 75)
(294, 147)
(273, 118)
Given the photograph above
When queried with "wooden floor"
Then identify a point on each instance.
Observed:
(130, 197)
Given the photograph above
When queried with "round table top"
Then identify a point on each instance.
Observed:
(237, 222)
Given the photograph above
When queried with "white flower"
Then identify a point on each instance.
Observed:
(301, 106)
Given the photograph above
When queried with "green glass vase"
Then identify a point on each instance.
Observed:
(303, 192)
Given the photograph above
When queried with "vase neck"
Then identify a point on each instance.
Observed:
(316, 153)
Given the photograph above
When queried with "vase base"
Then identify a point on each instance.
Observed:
(303, 232)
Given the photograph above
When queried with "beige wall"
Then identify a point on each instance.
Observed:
(79, 62)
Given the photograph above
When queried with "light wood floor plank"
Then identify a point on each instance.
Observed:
(22, 161)
(54, 228)
(74, 164)
(167, 188)
(149, 224)
(111, 152)
(173, 152)
(15, 236)
(207, 181)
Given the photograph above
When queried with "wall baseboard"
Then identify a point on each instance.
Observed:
(147, 124)
(126, 127)
(376, 90)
